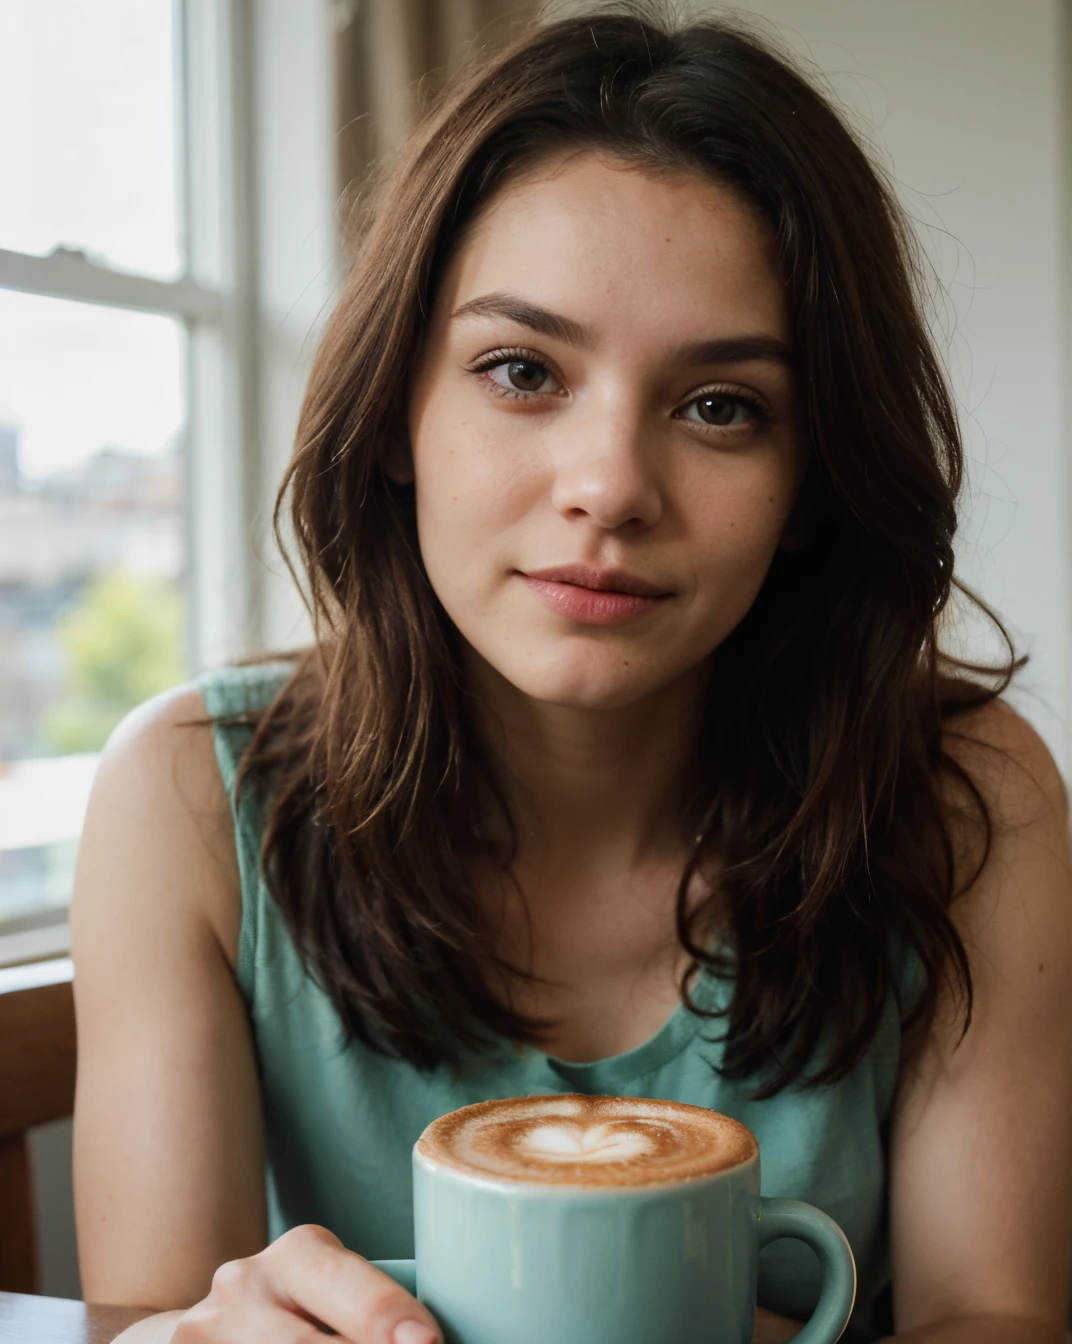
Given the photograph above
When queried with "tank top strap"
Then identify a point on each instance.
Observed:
(232, 695)
(909, 975)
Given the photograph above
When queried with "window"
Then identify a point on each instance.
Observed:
(92, 562)
(125, 372)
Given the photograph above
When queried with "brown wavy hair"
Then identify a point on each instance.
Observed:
(818, 776)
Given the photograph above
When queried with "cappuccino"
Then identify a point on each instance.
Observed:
(575, 1140)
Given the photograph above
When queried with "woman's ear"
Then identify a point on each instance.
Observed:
(397, 462)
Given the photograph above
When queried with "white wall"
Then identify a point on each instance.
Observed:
(965, 98)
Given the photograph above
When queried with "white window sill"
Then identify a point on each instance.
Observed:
(36, 974)
(29, 945)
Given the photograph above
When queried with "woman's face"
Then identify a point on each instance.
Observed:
(602, 429)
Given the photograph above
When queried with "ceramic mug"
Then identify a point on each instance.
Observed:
(505, 1262)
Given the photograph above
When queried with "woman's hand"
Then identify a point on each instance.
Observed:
(307, 1278)
(770, 1328)
(303, 1281)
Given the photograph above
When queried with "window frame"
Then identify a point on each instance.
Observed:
(213, 298)
(262, 267)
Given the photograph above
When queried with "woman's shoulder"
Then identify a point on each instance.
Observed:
(168, 745)
(163, 750)
(159, 808)
(1008, 762)
(235, 697)
(239, 689)
(1022, 882)
(165, 785)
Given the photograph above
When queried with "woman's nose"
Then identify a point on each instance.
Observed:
(604, 471)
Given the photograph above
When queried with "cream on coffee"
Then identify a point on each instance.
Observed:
(579, 1140)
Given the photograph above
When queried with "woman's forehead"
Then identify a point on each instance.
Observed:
(592, 235)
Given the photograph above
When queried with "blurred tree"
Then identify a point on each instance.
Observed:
(121, 644)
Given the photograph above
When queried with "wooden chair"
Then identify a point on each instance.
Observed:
(37, 1070)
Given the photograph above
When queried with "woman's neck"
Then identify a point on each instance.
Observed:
(593, 786)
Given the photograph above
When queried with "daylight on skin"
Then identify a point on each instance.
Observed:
(608, 463)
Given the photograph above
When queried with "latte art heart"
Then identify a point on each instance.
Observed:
(576, 1140)
(591, 1143)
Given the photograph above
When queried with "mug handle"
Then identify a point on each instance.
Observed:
(404, 1272)
(793, 1218)
(778, 1218)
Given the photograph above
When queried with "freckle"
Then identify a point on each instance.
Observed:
(1040, 965)
(770, 499)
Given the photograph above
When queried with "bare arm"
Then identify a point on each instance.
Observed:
(981, 1139)
(1002, 1329)
(168, 1146)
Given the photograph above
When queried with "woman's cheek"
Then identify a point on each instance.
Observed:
(474, 494)
(733, 559)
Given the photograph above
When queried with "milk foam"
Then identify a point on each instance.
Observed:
(584, 1143)
(587, 1141)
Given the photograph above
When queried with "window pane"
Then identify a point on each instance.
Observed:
(92, 417)
(89, 153)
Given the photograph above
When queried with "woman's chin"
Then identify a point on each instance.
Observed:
(570, 676)
(599, 688)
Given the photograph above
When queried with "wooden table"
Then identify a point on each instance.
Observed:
(57, 1320)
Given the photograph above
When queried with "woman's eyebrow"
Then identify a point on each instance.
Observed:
(526, 314)
(723, 350)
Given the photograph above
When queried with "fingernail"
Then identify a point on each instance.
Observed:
(414, 1332)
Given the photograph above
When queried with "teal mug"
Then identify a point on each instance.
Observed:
(506, 1261)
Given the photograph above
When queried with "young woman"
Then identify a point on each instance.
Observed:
(626, 758)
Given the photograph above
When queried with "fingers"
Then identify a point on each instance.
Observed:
(212, 1322)
(303, 1281)
(311, 1271)
(770, 1328)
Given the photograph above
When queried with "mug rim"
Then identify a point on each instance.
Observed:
(561, 1189)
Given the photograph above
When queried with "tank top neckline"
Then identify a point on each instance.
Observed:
(612, 1073)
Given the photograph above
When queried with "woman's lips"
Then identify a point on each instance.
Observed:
(591, 606)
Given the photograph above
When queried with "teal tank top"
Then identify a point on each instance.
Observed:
(341, 1120)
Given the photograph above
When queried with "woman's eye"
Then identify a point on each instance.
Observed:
(721, 410)
(521, 375)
